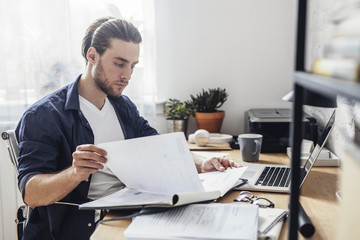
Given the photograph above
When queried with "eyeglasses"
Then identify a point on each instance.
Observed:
(246, 196)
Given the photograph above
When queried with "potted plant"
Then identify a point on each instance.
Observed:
(204, 107)
(177, 114)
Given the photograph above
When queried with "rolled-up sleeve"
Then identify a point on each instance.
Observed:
(38, 153)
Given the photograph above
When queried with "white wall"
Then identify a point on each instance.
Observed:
(246, 47)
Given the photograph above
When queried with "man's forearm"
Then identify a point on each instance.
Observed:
(45, 189)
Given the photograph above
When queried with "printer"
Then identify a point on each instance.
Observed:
(274, 124)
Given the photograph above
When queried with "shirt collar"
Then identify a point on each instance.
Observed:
(72, 95)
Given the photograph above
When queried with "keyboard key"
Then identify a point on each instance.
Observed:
(288, 179)
(268, 176)
(285, 177)
(279, 177)
(273, 177)
(262, 176)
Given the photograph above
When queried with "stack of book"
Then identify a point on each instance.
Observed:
(342, 53)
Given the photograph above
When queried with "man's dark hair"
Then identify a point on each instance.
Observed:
(100, 33)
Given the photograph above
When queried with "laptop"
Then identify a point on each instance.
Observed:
(276, 178)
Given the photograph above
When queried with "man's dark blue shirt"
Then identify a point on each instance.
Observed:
(48, 134)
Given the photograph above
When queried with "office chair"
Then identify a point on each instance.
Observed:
(23, 211)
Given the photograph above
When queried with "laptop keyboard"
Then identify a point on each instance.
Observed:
(274, 176)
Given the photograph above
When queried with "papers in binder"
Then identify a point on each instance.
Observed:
(197, 221)
(160, 171)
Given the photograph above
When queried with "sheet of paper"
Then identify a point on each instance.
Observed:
(222, 181)
(162, 163)
(198, 221)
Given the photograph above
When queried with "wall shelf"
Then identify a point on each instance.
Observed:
(330, 87)
(304, 83)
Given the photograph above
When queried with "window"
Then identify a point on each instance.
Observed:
(41, 50)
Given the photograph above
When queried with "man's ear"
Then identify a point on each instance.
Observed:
(92, 55)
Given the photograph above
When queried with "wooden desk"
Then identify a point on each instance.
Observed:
(317, 198)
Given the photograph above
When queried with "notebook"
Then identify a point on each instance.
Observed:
(276, 178)
(270, 223)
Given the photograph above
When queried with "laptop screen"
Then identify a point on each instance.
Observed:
(318, 147)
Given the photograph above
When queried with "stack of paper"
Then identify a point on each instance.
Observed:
(198, 221)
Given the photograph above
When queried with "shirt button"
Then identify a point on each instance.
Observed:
(89, 224)
(87, 180)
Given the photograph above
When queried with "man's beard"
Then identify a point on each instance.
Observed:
(101, 81)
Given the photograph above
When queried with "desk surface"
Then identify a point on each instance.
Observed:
(317, 198)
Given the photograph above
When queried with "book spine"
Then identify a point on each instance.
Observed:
(346, 69)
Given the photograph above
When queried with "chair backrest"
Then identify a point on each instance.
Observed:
(12, 147)
(23, 211)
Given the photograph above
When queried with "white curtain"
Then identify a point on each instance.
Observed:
(41, 50)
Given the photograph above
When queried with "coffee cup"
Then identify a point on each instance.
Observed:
(250, 146)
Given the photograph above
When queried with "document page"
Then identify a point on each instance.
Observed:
(198, 221)
(222, 181)
(158, 164)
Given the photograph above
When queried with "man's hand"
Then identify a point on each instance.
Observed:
(88, 159)
(45, 189)
(217, 164)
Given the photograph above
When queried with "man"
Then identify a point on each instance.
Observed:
(58, 160)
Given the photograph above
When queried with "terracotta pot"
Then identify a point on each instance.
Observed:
(211, 122)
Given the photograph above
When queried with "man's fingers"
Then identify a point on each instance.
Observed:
(217, 164)
(83, 168)
(88, 159)
(91, 148)
(227, 163)
(87, 164)
(234, 164)
(89, 156)
(90, 152)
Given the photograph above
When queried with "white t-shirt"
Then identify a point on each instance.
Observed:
(106, 128)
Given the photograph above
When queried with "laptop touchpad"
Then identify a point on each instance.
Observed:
(248, 174)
